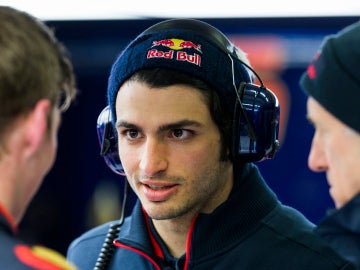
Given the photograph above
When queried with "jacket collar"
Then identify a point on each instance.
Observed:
(346, 218)
(7, 221)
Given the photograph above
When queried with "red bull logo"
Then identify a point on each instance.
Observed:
(188, 44)
(176, 46)
(164, 42)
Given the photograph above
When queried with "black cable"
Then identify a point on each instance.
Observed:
(108, 248)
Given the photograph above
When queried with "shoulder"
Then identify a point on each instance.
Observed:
(293, 228)
(39, 257)
(86, 248)
(90, 237)
(15, 254)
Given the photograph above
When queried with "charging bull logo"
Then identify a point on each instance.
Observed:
(176, 52)
(177, 44)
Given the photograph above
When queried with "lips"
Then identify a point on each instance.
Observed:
(158, 192)
(157, 187)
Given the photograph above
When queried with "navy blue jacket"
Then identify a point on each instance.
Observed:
(15, 254)
(252, 230)
(341, 229)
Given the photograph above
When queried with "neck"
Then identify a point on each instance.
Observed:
(12, 188)
(174, 233)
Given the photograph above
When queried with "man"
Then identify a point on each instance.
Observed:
(332, 83)
(36, 84)
(188, 122)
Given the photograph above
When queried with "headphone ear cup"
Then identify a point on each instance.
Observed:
(107, 137)
(256, 124)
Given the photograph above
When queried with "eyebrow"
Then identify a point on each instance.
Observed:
(175, 125)
(125, 124)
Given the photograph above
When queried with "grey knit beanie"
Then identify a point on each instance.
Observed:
(333, 78)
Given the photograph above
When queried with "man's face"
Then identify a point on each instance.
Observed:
(169, 147)
(335, 150)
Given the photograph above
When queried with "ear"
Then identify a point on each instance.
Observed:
(37, 125)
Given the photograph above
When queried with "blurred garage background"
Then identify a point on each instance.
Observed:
(280, 38)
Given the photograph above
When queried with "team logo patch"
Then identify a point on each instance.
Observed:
(176, 50)
(42, 258)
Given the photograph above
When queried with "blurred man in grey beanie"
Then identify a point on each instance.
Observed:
(332, 82)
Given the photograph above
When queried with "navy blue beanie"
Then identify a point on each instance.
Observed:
(189, 46)
(333, 78)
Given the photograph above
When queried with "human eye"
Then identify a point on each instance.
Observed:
(131, 134)
(181, 134)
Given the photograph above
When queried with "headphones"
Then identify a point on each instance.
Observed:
(256, 114)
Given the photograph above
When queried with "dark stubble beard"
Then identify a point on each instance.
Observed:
(209, 192)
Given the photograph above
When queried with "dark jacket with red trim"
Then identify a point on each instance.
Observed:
(341, 229)
(16, 255)
(251, 230)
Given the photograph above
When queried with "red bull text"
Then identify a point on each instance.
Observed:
(176, 52)
(179, 56)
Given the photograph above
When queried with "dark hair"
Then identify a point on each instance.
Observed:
(34, 65)
(160, 77)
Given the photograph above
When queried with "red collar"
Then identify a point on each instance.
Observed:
(157, 247)
(9, 218)
(155, 244)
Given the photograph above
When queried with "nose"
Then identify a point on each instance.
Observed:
(317, 156)
(153, 157)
